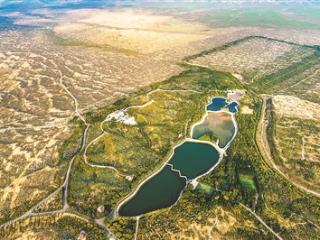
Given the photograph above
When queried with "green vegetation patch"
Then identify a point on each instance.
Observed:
(205, 188)
(286, 76)
(259, 17)
(69, 228)
(247, 181)
(242, 177)
(90, 188)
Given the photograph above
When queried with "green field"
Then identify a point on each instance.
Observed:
(205, 188)
(262, 17)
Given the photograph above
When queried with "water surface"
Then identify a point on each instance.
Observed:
(217, 104)
(163, 189)
(194, 159)
(189, 160)
(216, 125)
(233, 107)
(160, 191)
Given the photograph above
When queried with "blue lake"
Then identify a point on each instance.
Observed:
(233, 107)
(218, 104)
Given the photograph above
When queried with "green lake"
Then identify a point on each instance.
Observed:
(163, 189)
(194, 159)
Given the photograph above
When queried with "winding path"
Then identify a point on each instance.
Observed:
(128, 177)
(65, 186)
(149, 102)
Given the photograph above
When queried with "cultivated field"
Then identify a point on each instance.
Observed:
(267, 65)
(246, 56)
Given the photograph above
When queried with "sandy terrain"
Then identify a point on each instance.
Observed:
(246, 110)
(138, 31)
(102, 56)
(215, 227)
(133, 19)
(291, 106)
(35, 107)
(31, 235)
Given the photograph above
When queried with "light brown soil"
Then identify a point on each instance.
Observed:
(138, 31)
(291, 106)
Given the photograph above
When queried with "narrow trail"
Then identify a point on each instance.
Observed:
(261, 221)
(72, 96)
(141, 106)
(83, 144)
(128, 177)
(100, 223)
(302, 150)
(136, 229)
(149, 102)
(264, 148)
(65, 185)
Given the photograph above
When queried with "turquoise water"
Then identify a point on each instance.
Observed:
(160, 191)
(194, 159)
(164, 188)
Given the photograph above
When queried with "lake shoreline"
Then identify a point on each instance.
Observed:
(220, 151)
